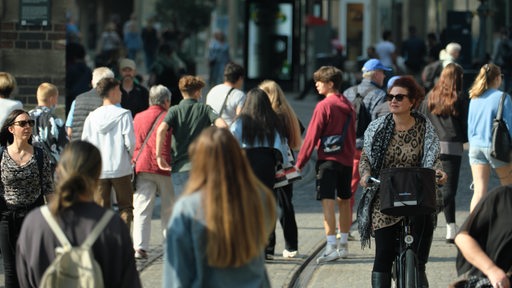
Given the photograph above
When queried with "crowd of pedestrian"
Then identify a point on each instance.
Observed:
(414, 103)
(213, 163)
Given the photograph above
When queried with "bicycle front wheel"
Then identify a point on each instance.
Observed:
(411, 271)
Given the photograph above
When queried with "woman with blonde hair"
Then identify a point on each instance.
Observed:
(285, 112)
(77, 214)
(483, 107)
(292, 132)
(219, 227)
(447, 106)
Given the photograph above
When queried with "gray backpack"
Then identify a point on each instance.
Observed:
(74, 266)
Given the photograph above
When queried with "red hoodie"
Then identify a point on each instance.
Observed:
(329, 118)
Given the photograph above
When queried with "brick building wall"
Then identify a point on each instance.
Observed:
(33, 54)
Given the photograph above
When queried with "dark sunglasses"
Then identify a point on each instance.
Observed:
(398, 97)
(23, 123)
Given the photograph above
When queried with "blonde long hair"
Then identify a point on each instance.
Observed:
(239, 210)
(483, 81)
(284, 111)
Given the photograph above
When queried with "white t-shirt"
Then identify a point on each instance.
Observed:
(6, 107)
(215, 99)
(385, 49)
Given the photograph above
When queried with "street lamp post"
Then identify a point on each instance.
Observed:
(483, 12)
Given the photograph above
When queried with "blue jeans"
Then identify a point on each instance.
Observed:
(179, 179)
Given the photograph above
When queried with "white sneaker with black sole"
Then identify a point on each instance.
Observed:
(330, 254)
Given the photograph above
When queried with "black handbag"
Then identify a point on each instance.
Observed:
(407, 191)
(500, 141)
(333, 144)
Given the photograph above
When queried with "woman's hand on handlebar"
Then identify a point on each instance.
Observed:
(441, 177)
(364, 180)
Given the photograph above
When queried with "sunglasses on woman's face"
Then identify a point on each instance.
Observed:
(398, 97)
(23, 123)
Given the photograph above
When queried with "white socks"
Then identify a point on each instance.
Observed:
(331, 240)
(344, 238)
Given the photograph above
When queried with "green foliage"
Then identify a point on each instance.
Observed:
(189, 16)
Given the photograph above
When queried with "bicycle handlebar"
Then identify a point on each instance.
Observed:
(372, 180)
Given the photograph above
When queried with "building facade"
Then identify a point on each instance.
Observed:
(35, 52)
(32, 45)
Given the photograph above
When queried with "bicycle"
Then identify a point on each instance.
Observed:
(405, 270)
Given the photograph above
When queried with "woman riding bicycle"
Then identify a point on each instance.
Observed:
(402, 138)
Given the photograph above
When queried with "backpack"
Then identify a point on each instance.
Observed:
(431, 73)
(363, 117)
(44, 138)
(74, 266)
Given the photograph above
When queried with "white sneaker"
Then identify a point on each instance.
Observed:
(289, 254)
(343, 250)
(451, 231)
(330, 254)
(141, 254)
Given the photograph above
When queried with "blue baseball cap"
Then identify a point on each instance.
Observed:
(374, 64)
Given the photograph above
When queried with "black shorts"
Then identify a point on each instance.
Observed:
(333, 180)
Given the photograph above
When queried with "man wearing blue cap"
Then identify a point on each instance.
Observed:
(365, 97)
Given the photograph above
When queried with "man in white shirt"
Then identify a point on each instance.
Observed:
(227, 99)
(110, 129)
(386, 50)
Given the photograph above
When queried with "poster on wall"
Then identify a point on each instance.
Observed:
(35, 12)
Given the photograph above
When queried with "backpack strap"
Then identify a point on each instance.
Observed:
(55, 227)
(499, 114)
(93, 235)
(38, 152)
(225, 101)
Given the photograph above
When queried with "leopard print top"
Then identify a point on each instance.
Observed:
(405, 150)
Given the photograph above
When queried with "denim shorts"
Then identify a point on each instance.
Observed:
(482, 155)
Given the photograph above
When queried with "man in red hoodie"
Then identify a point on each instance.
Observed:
(333, 116)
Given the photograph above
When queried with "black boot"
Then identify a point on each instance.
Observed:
(423, 250)
(422, 279)
(381, 280)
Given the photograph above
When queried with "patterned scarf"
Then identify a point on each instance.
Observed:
(381, 132)
(376, 142)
